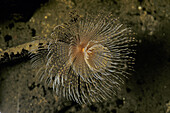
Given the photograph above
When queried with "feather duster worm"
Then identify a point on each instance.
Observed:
(87, 58)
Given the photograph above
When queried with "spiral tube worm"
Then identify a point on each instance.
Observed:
(87, 59)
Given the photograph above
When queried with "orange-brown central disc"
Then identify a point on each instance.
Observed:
(81, 48)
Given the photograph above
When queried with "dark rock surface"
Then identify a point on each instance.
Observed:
(146, 91)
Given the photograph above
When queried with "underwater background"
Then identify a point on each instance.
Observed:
(146, 91)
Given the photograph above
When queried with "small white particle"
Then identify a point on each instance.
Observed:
(140, 8)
